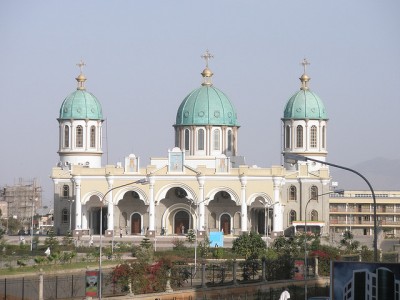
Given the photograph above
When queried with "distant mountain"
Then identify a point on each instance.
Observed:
(382, 173)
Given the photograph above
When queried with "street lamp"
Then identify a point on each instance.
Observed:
(33, 213)
(195, 229)
(267, 206)
(140, 181)
(293, 158)
(338, 191)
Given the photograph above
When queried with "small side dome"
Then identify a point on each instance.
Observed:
(305, 104)
(206, 105)
(81, 105)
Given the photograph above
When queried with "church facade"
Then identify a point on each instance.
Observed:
(202, 183)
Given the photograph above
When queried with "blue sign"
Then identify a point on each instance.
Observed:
(216, 239)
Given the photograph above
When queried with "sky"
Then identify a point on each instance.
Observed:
(143, 57)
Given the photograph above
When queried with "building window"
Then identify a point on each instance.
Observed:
(216, 140)
(79, 136)
(292, 216)
(92, 136)
(187, 139)
(292, 193)
(229, 140)
(314, 193)
(314, 215)
(65, 191)
(287, 136)
(200, 139)
(299, 136)
(66, 136)
(323, 136)
(313, 137)
(64, 216)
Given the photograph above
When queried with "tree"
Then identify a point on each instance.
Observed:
(204, 247)
(191, 236)
(249, 245)
(52, 241)
(350, 246)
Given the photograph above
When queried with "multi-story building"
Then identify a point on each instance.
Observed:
(354, 211)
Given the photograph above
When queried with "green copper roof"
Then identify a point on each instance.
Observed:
(206, 106)
(81, 105)
(305, 105)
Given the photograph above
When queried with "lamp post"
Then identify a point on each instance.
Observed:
(196, 229)
(267, 206)
(290, 157)
(140, 181)
(338, 191)
(33, 213)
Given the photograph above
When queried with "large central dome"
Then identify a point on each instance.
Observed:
(206, 105)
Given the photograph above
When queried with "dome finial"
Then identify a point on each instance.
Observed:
(207, 73)
(304, 78)
(81, 78)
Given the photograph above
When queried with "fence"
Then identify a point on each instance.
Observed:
(212, 274)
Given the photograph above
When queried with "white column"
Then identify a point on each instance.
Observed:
(200, 218)
(110, 205)
(243, 181)
(278, 208)
(84, 217)
(78, 204)
(151, 205)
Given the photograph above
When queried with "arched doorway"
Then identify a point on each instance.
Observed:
(181, 222)
(261, 221)
(136, 224)
(226, 224)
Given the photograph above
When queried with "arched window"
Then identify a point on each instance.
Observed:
(287, 136)
(314, 193)
(187, 139)
(66, 136)
(292, 216)
(323, 136)
(314, 215)
(200, 139)
(65, 191)
(92, 136)
(230, 141)
(299, 136)
(313, 137)
(79, 136)
(292, 193)
(64, 216)
(216, 140)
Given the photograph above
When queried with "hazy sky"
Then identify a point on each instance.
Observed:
(143, 57)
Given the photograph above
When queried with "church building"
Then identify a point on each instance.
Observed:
(202, 183)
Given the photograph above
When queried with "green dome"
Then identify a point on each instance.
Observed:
(206, 106)
(305, 105)
(81, 105)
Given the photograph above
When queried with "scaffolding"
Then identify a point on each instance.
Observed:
(22, 200)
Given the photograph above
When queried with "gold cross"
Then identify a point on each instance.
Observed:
(305, 63)
(207, 56)
(81, 64)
